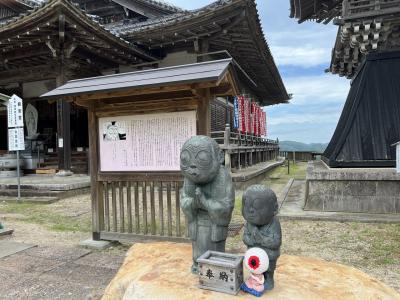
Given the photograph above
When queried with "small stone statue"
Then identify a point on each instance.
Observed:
(262, 229)
(207, 196)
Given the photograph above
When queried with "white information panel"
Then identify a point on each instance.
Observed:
(16, 141)
(15, 112)
(144, 142)
(398, 157)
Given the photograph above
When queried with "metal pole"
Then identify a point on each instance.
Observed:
(19, 177)
(288, 165)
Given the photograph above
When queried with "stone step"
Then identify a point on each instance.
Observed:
(11, 192)
(39, 200)
(36, 194)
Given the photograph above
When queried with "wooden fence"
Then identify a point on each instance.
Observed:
(244, 150)
(299, 155)
(146, 206)
(146, 209)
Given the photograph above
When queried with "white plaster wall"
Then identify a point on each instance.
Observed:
(178, 58)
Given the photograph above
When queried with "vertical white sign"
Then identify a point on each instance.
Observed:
(398, 157)
(15, 112)
(16, 140)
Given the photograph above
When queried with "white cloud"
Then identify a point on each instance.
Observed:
(312, 118)
(306, 56)
(310, 90)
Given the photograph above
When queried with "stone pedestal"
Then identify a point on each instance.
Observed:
(162, 271)
(359, 190)
(8, 166)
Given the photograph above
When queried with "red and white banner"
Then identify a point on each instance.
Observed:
(251, 117)
(242, 120)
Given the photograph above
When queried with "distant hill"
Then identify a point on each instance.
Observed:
(297, 146)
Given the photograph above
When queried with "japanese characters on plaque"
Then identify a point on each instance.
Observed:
(150, 142)
(221, 272)
(15, 112)
(16, 141)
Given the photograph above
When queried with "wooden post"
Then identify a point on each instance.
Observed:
(63, 107)
(204, 114)
(63, 129)
(227, 136)
(96, 191)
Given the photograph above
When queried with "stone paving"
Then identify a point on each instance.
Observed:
(58, 273)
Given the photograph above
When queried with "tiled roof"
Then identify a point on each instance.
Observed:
(73, 8)
(126, 27)
(163, 4)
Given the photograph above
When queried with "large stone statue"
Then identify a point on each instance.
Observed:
(208, 195)
(262, 229)
(31, 121)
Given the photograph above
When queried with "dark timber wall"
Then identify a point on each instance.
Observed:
(370, 121)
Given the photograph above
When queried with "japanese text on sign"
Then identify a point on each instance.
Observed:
(15, 112)
(144, 142)
(16, 139)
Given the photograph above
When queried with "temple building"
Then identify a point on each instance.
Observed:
(358, 174)
(45, 43)
(366, 51)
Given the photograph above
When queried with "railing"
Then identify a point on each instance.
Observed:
(244, 150)
(353, 9)
(299, 155)
(145, 209)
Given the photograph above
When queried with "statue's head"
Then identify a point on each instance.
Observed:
(259, 205)
(201, 159)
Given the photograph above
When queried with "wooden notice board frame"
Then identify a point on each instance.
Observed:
(174, 89)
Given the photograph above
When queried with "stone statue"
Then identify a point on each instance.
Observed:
(262, 229)
(207, 196)
(31, 121)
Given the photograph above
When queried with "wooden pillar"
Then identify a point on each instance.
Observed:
(63, 129)
(95, 186)
(204, 114)
(63, 107)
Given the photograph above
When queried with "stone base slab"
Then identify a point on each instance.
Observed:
(95, 245)
(361, 190)
(162, 271)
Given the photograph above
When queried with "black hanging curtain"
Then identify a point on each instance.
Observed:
(370, 121)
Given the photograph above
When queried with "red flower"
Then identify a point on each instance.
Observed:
(253, 262)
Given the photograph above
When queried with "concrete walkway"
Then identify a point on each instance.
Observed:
(57, 273)
(292, 200)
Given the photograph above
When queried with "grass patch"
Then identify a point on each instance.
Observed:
(43, 215)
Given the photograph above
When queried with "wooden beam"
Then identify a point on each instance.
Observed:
(141, 91)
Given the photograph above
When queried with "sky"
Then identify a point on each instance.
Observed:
(302, 52)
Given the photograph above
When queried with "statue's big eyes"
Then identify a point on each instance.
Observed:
(258, 204)
(204, 158)
(185, 158)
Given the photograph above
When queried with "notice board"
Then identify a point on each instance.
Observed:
(150, 142)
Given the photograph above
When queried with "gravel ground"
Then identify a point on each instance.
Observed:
(373, 248)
